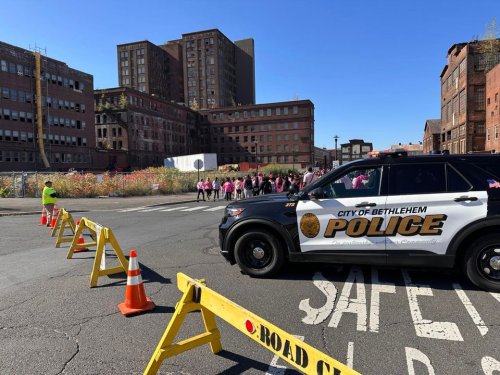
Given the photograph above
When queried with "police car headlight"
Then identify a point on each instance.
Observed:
(234, 211)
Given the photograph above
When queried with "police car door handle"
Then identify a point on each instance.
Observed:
(465, 199)
(366, 204)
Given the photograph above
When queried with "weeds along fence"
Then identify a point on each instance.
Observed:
(89, 185)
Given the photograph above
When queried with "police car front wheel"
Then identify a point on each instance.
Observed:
(259, 254)
(482, 263)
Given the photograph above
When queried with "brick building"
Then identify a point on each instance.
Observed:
(135, 130)
(66, 108)
(281, 132)
(492, 109)
(204, 69)
(463, 108)
(355, 149)
(432, 136)
(217, 72)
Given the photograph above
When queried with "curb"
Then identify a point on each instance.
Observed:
(25, 213)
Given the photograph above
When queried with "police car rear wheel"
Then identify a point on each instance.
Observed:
(258, 254)
(482, 263)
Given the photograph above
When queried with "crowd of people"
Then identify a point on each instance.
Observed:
(237, 188)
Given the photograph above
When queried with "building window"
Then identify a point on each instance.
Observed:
(278, 111)
(480, 98)
(295, 110)
(285, 111)
(261, 113)
(269, 112)
(496, 133)
(463, 67)
(463, 102)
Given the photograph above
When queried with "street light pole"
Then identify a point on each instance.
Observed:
(256, 160)
(336, 138)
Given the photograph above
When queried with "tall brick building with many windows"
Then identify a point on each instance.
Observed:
(463, 99)
(493, 109)
(135, 130)
(281, 132)
(66, 111)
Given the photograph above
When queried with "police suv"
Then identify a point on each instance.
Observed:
(426, 211)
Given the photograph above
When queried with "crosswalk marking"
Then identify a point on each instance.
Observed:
(216, 208)
(151, 209)
(174, 209)
(194, 208)
(131, 209)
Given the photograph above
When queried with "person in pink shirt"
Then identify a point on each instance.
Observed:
(208, 187)
(228, 188)
(360, 181)
(238, 185)
(200, 187)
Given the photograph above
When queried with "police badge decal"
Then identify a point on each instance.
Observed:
(309, 225)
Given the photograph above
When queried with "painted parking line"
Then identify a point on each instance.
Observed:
(215, 208)
(174, 209)
(152, 209)
(194, 208)
(131, 209)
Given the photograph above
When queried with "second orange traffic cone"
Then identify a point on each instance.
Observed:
(135, 295)
(81, 240)
(55, 213)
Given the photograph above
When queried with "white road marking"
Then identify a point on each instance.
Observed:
(350, 354)
(194, 208)
(174, 209)
(426, 327)
(152, 209)
(274, 368)
(416, 355)
(352, 305)
(131, 209)
(483, 329)
(496, 296)
(215, 208)
(316, 316)
(377, 288)
(490, 365)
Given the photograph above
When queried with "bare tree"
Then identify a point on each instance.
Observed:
(489, 46)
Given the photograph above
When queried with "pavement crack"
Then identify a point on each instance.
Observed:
(77, 344)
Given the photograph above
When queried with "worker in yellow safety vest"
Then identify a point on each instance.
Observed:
(48, 200)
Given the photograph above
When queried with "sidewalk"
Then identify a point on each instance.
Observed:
(30, 206)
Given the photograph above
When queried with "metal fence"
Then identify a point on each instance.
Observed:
(87, 185)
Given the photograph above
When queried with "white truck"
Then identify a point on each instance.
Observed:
(192, 163)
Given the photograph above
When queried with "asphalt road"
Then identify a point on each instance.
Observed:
(387, 321)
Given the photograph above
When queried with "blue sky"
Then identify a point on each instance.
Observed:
(371, 68)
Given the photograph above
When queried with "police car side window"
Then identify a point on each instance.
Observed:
(455, 182)
(355, 183)
(426, 178)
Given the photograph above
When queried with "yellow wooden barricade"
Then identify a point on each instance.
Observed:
(64, 221)
(102, 236)
(197, 296)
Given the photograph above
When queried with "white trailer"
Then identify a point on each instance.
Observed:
(189, 163)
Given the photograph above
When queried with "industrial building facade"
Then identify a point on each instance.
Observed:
(281, 132)
(492, 109)
(204, 69)
(134, 130)
(463, 97)
(65, 108)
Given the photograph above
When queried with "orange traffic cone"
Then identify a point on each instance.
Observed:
(81, 240)
(43, 218)
(135, 295)
(55, 213)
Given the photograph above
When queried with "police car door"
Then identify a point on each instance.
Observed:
(427, 205)
(340, 219)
